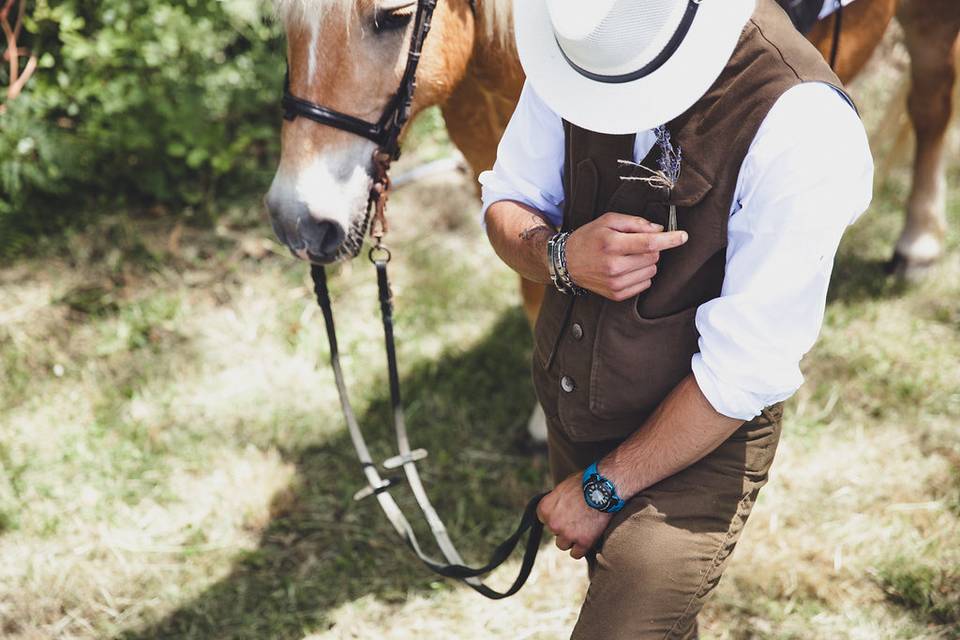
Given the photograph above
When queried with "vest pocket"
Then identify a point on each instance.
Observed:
(637, 361)
(550, 324)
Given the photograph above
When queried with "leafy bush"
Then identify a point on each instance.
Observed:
(168, 103)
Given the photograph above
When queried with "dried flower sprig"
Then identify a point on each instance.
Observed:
(667, 174)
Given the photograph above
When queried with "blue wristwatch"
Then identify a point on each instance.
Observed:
(599, 492)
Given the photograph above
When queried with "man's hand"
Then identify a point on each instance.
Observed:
(566, 514)
(616, 255)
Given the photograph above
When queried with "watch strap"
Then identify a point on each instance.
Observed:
(592, 474)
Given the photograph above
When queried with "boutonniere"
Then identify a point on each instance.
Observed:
(666, 175)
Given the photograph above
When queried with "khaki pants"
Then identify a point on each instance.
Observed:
(665, 551)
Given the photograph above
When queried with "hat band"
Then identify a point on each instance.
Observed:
(653, 65)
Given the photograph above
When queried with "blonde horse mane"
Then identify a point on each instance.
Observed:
(495, 15)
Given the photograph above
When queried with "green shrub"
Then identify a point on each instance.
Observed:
(146, 103)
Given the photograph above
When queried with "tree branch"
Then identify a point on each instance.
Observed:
(13, 54)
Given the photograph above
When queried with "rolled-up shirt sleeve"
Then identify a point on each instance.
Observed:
(529, 166)
(808, 175)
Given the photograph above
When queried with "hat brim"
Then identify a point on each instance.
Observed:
(638, 105)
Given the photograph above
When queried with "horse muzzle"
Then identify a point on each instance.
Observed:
(309, 237)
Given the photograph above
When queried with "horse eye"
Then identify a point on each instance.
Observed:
(386, 21)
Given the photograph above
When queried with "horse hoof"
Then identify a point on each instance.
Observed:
(908, 270)
(537, 427)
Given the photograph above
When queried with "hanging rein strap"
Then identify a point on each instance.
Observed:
(377, 486)
(385, 133)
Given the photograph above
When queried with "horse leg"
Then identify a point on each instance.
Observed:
(930, 30)
(476, 118)
(477, 114)
(533, 293)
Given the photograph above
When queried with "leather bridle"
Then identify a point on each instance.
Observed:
(386, 134)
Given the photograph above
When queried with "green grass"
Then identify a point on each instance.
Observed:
(932, 592)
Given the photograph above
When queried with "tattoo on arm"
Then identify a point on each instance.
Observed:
(540, 228)
(519, 236)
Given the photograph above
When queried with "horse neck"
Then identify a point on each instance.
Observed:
(480, 107)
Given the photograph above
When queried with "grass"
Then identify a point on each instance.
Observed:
(173, 463)
(932, 591)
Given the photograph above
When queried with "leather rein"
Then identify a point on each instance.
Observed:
(386, 134)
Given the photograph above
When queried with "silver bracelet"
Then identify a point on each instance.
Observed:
(557, 262)
(552, 262)
(564, 272)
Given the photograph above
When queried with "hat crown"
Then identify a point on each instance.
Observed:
(614, 37)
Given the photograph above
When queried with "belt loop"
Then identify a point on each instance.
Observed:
(773, 413)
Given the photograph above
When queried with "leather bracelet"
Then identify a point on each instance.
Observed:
(552, 262)
(563, 274)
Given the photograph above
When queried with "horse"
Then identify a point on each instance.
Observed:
(931, 29)
(350, 55)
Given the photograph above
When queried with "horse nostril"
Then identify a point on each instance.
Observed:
(323, 238)
(278, 230)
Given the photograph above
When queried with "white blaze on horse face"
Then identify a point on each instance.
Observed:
(331, 185)
(313, 61)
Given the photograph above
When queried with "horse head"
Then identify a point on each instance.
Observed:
(350, 56)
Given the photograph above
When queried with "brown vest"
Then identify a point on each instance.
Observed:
(600, 367)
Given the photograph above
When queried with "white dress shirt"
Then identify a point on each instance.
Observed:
(830, 6)
(807, 175)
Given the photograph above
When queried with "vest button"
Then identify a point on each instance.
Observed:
(567, 384)
(577, 332)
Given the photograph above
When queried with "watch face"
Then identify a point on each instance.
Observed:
(597, 494)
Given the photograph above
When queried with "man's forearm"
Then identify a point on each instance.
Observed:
(519, 235)
(683, 429)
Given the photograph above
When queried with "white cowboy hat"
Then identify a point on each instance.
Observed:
(622, 66)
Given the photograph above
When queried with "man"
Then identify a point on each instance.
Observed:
(662, 356)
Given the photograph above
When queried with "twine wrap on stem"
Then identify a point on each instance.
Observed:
(666, 175)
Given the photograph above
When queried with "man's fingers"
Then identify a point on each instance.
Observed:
(563, 544)
(544, 508)
(629, 224)
(624, 265)
(634, 278)
(577, 553)
(634, 243)
(626, 294)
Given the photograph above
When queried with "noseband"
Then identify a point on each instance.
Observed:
(386, 134)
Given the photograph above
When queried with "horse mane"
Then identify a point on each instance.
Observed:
(495, 16)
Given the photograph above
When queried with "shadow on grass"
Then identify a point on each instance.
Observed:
(322, 549)
(856, 279)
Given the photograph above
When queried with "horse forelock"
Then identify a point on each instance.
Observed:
(300, 11)
(496, 16)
